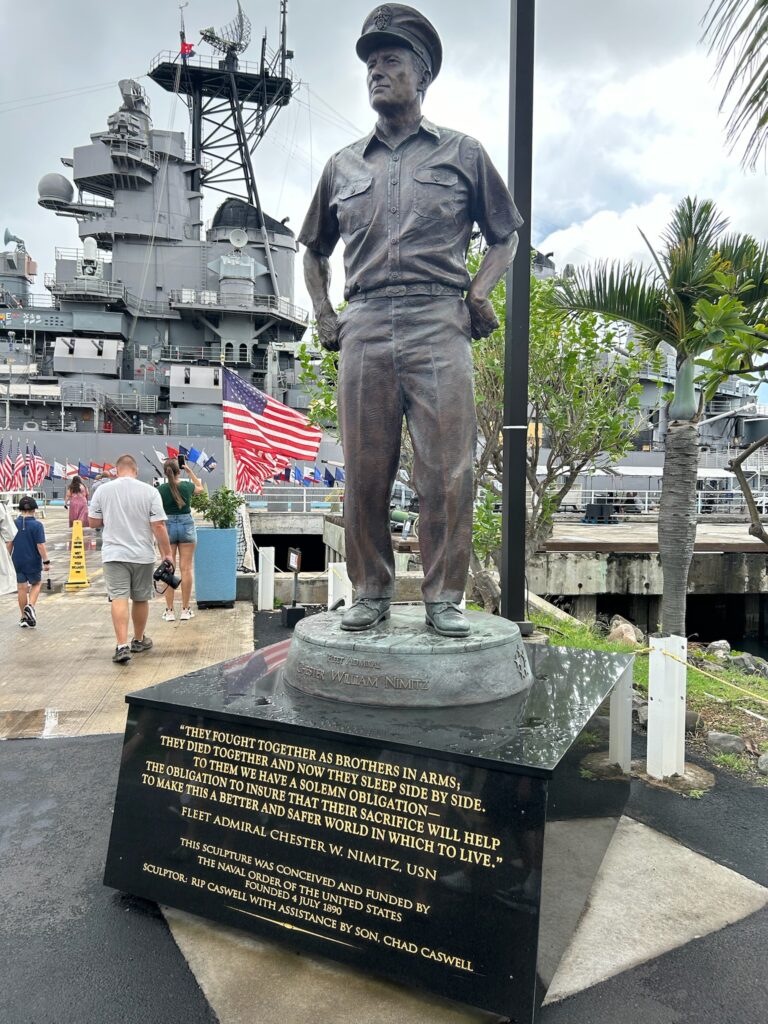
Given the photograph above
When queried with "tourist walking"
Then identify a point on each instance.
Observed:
(30, 557)
(76, 501)
(175, 494)
(7, 533)
(131, 514)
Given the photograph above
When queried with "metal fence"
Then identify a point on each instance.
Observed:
(288, 498)
(629, 502)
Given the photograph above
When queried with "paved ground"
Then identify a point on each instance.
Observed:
(59, 680)
(641, 533)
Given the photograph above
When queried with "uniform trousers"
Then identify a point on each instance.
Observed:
(411, 357)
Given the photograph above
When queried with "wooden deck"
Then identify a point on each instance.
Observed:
(59, 679)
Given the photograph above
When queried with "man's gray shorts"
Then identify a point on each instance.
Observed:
(129, 579)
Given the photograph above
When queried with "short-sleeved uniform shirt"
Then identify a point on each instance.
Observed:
(127, 506)
(405, 215)
(26, 558)
(170, 506)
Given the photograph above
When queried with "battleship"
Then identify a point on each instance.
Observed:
(135, 324)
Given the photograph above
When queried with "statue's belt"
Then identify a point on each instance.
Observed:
(393, 291)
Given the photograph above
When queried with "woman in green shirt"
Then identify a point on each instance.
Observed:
(182, 534)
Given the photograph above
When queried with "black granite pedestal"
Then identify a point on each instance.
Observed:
(451, 849)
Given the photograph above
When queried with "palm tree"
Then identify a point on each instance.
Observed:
(694, 260)
(737, 31)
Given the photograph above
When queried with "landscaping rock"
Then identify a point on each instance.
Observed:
(693, 722)
(639, 699)
(619, 620)
(725, 743)
(762, 764)
(599, 628)
(623, 633)
(720, 649)
(762, 667)
(642, 715)
(743, 663)
(707, 665)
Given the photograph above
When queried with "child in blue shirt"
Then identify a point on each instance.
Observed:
(30, 557)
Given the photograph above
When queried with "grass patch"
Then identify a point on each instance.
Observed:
(736, 763)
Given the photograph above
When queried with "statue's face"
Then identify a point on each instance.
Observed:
(392, 78)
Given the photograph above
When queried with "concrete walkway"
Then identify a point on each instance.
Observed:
(59, 680)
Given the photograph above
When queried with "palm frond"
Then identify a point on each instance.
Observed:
(689, 241)
(750, 266)
(620, 292)
(737, 30)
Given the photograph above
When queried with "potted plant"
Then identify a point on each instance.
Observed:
(216, 551)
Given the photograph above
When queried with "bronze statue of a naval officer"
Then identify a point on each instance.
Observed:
(404, 201)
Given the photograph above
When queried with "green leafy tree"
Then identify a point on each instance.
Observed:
(659, 304)
(738, 339)
(737, 31)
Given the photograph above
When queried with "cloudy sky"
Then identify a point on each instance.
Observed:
(626, 118)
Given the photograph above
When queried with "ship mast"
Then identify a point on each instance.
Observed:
(232, 105)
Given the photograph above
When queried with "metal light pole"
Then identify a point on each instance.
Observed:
(518, 310)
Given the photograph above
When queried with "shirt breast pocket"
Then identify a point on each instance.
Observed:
(354, 206)
(434, 200)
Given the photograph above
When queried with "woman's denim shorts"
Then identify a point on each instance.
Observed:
(181, 529)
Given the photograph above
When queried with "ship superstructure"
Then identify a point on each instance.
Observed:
(138, 320)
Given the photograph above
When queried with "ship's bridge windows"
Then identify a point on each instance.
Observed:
(243, 354)
(229, 352)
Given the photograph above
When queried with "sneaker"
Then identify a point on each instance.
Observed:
(23, 623)
(140, 645)
(186, 614)
(122, 654)
(168, 615)
(30, 615)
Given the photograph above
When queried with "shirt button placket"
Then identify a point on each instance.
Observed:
(393, 255)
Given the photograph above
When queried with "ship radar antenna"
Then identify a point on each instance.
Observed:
(233, 38)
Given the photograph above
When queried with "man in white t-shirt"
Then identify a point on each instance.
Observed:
(131, 514)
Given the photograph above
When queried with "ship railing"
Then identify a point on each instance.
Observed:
(79, 254)
(204, 297)
(36, 300)
(213, 63)
(134, 150)
(80, 394)
(90, 286)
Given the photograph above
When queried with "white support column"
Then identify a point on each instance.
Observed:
(229, 466)
(339, 584)
(266, 601)
(620, 731)
(666, 706)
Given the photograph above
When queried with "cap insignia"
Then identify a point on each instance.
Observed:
(383, 17)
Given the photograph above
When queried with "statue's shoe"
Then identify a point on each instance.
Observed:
(446, 618)
(365, 613)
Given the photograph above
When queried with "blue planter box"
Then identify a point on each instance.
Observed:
(215, 567)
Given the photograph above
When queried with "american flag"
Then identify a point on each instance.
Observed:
(254, 420)
(7, 470)
(2, 467)
(253, 467)
(18, 470)
(39, 468)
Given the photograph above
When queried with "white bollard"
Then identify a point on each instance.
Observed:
(339, 584)
(620, 732)
(666, 706)
(266, 579)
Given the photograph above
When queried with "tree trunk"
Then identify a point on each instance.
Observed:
(484, 584)
(677, 522)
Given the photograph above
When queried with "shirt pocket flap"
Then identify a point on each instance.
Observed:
(355, 188)
(435, 176)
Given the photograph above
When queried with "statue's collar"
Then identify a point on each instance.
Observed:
(424, 126)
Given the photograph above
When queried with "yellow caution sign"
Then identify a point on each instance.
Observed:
(78, 577)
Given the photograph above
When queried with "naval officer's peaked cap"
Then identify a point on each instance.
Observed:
(398, 25)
